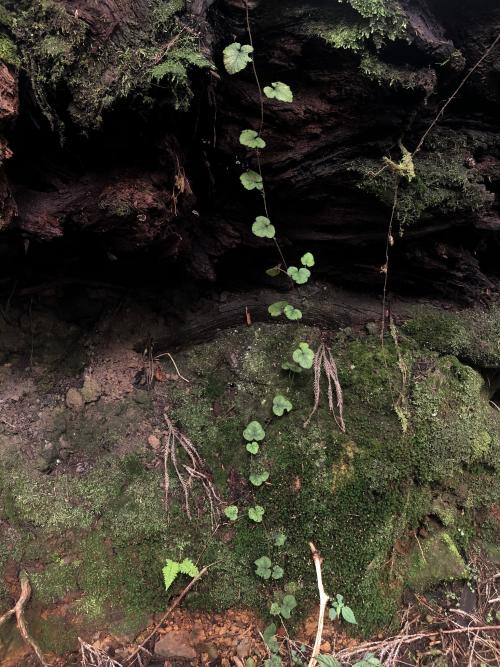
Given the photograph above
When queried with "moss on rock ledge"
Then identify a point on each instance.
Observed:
(100, 538)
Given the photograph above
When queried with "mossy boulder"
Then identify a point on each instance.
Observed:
(433, 561)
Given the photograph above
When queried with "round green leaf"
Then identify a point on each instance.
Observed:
(280, 539)
(279, 91)
(281, 404)
(278, 572)
(231, 512)
(275, 609)
(328, 661)
(263, 228)
(303, 356)
(254, 431)
(288, 605)
(274, 271)
(307, 259)
(256, 513)
(251, 180)
(300, 276)
(258, 478)
(292, 313)
(290, 366)
(251, 139)
(332, 614)
(263, 567)
(277, 308)
(252, 447)
(236, 57)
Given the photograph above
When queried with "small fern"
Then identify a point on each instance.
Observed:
(172, 568)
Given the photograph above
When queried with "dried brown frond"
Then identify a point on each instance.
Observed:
(324, 363)
(94, 657)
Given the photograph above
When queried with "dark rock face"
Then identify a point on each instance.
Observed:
(150, 179)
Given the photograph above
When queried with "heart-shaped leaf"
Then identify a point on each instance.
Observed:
(231, 512)
(288, 605)
(263, 228)
(281, 404)
(254, 431)
(300, 276)
(252, 447)
(291, 366)
(263, 567)
(251, 180)
(279, 91)
(275, 609)
(277, 308)
(256, 513)
(307, 259)
(303, 356)
(274, 271)
(236, 57)
(278, 572)
(251, 139)
(258, 478)
(292, 313)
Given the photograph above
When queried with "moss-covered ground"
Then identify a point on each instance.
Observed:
(97, 538)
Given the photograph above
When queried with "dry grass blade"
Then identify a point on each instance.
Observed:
(324, 363)
(196, 470)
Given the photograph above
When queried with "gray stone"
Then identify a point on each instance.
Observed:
(175, 644)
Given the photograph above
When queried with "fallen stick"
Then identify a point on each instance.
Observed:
(18, 611)
(323, 601)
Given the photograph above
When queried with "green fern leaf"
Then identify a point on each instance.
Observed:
(170, 572)
(188, 567)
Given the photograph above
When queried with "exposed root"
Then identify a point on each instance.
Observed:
(325, 363)
(18, 611)
(458, 636)
(187, 474)
(94, 657)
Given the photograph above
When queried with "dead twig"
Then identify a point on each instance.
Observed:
(323, 601)
(94, 657)
(18, 611)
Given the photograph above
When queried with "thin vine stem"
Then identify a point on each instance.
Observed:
(261, 126)
(387, 248)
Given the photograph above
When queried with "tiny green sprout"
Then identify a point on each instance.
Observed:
(256, 513)
(292, 313)
(279, 539)
(231, 512)
(291, 366)
(263, 567)
(278, 572)
(300, 276)
(274, 272)
(251, 180)
(279, 91)
(258, 478)
(281, 404)
(254, 431)
(251, 139)
(277, 308)
(252, 447)
(340, 610)
(307, 260)
(236, 57)
(303, 356)
(263, 228)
